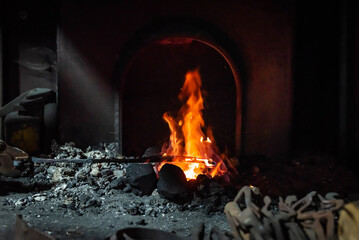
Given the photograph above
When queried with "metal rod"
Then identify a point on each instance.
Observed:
(155, 159)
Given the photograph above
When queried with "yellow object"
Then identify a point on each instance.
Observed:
(26, 137)
(348, 225)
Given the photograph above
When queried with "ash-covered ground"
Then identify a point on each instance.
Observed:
(93, 201)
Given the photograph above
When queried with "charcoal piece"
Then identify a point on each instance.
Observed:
(128, 188)
(137, 192)
(215, 188)
(117, 184)
(93, 203)
(133, 208)
(202, 185)
(71, 184)
(212, 200)
(142, 177)
(172, 183)
(152, 152)
(141, 222)
(192, 185)
(106, 173)
(84, 198)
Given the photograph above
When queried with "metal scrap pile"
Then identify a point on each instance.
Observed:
(312, 217)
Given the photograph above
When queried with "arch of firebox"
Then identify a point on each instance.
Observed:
(192, 29)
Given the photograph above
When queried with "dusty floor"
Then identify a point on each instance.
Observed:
(98, 222)
(93, 201)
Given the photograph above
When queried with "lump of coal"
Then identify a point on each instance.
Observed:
(152, 151)
(172, 183)
(117, 184)
(142, 177)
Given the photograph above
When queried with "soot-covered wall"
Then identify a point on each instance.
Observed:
(93, 36)
(297, 65)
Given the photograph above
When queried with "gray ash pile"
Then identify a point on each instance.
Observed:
(80, 188)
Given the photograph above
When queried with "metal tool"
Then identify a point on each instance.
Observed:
(154, 159)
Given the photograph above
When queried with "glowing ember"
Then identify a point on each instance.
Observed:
(193, 151)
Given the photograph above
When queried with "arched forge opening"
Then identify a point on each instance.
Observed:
(150, 84)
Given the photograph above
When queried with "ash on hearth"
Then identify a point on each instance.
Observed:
(70, 151)
(89, 191)
(90, 187)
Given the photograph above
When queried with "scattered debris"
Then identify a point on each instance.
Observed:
(81, 187)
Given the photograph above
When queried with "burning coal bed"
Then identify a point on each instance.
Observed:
(91, 201)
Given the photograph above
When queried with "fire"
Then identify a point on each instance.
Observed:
(191, 149)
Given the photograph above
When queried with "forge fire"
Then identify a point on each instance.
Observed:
(176, 120)
(193, 151)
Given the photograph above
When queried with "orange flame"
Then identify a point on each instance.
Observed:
(191, 149)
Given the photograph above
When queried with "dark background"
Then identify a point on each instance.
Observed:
(298, 63)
